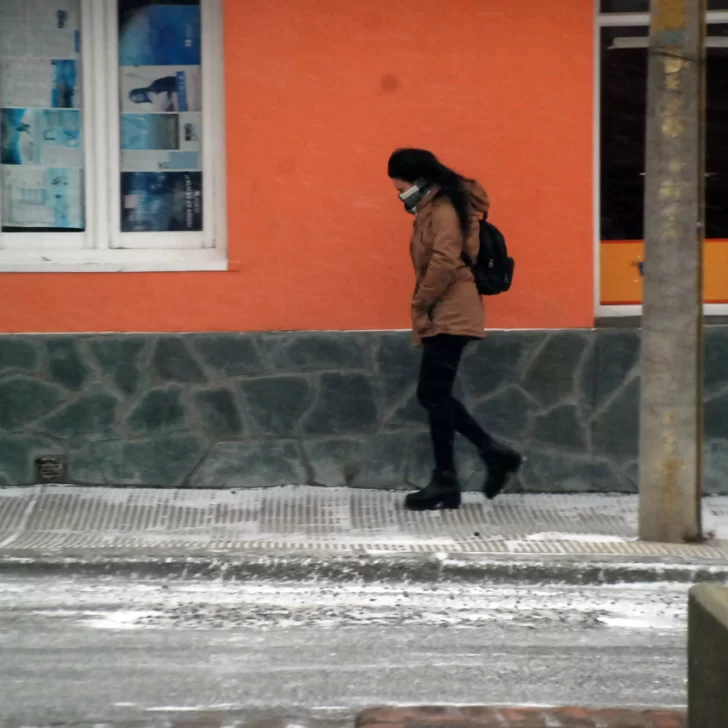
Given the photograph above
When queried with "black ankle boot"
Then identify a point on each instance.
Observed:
(443, 491)
(501, 462)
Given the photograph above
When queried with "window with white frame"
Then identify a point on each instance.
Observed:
(111, 135)
(622, 47)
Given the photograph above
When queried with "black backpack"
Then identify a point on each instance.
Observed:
(493, 270)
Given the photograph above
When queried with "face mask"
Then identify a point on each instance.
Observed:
(413, 196)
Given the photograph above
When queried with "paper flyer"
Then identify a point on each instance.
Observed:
(37, 197)
(161, 35)
(161, 89)
(39, 82)
(44, 137)
(41, 28)
(161, 142)
(161, 202)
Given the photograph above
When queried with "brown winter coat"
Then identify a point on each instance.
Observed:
(446, 300)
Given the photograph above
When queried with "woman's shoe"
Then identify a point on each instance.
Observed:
(501, 462)
(443, 491)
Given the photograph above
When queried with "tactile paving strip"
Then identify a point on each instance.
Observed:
(57, 518)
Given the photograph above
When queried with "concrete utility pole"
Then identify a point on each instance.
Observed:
(671, 415)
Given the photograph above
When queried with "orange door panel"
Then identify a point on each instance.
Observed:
(621, 281)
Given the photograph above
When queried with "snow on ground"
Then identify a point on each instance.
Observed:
(123, 605)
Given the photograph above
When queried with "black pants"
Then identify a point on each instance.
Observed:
(439, 368)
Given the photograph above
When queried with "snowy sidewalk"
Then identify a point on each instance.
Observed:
(50, 523)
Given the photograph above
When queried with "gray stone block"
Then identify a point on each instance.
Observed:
(558, 472)
(615, 430)
(550, 377)
(335, 462)
(160, 411)
(277, 404)
(173, 362)
(24, 400)
(716, 359)
(498, 360)
(92, 417)
(385, 460)
(251, 465)
(505, 414)
(17, 355)
(230, 355)
(560, 428)
(65, 363)
(218, 412)
(409, 414)
(611, 361)
(345, 405)
(120, 360)
(312, 352)
(708, 656)
(397, 367)
(377, 461)
(18, 454)
(165, 462)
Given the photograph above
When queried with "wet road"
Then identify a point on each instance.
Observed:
(93, 649)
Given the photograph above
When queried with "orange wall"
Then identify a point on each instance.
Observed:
(319, 92)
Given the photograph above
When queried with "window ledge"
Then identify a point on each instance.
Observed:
(112, 261)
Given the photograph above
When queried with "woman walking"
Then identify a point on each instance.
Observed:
(447, 314)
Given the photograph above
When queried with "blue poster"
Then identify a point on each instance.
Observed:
(162, 35)
(161, 202)
(65, 85)
(150, 131)
(41, 137)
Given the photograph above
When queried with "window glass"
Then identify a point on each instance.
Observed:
(160, 80)
(41, 120)
(623, 113)
(625, 6)
(643, 6)
(623, 129)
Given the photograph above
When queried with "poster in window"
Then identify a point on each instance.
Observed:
(161, 35)
(160, 142)
(161, 202)
(161, 89)
(48, 197)
(39, 82)
(44, 137)
(40, 28)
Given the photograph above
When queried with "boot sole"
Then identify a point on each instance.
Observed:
(446, 504)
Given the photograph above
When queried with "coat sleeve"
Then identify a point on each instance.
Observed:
(445, 261)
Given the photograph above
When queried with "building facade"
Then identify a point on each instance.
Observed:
(204, 269)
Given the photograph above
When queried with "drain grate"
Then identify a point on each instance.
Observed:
(50, 469)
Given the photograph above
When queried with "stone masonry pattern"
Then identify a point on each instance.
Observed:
(333, 409)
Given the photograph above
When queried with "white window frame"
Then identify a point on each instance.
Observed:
(102, 247)
(623, 20)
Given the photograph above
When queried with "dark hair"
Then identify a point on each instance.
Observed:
(413, 165)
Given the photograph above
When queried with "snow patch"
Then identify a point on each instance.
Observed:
(577, 537)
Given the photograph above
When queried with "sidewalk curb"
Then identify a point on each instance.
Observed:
(313, 566)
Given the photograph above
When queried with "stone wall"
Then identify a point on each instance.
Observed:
(242, 410)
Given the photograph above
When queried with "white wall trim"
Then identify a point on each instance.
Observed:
(113, 261)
